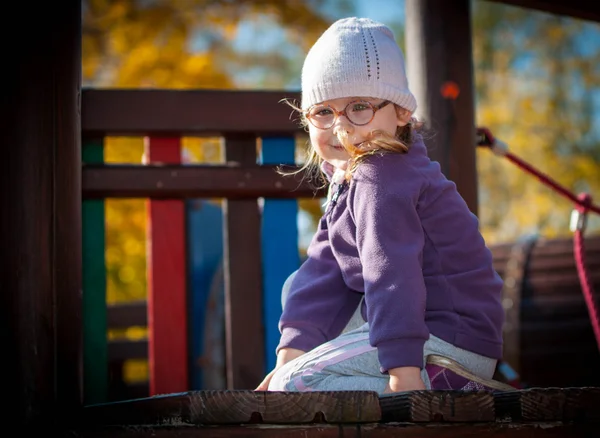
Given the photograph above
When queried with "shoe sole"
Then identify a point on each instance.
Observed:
(457, 368)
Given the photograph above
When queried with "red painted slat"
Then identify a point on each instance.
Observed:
(167, 318)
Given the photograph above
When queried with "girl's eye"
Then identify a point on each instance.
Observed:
(322, 112)
(360, 106)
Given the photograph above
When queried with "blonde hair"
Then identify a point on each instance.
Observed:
(377, 142)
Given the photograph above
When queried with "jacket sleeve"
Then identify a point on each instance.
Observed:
(319, 304)
(390, 241)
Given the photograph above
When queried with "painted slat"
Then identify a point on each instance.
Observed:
(167, 308)
(279, 244)
(95, 368)
(205, 259)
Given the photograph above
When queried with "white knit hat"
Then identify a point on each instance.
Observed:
(356, 57)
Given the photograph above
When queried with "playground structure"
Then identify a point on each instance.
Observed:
(48, 325)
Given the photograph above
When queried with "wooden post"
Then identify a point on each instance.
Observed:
(440, 71)
(167, 281)
(40, 220)
(243, 283)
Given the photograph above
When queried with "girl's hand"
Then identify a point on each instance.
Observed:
(404, 379)
(264, 385)
(284, 356)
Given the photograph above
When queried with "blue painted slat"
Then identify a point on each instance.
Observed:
(205, 255)
(280, 256)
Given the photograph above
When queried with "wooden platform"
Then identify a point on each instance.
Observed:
(548, 412)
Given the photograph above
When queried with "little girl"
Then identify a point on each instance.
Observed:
(396, 239)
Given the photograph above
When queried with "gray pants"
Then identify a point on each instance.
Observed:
(349, 362)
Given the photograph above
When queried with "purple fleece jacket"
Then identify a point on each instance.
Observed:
(400, 234)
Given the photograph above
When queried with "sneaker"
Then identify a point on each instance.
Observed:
(447, 374)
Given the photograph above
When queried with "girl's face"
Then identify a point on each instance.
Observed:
(326, 141)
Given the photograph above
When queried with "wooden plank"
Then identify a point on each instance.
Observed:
(548, 249)
(186, 112)
(437, 406)
(581, 9)
(559, 246)
(234, 407)
(95, 355)
(238, 407)
(554, 280)
(561, 404)
(536, 404)
(191, 181)
(128, 314)
(563, 262)
(279, 244)
(167, 293)
(438, 33)
(243, 282)
(371, 430)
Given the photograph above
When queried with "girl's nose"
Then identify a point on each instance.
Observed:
(342, 123)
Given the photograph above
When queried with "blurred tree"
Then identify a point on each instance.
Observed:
(537, 76)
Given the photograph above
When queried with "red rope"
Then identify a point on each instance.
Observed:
(584, 278)
(486, 138)
(550, 182)
(583, 205)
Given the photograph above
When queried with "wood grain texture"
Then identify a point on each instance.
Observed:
(438, 406)
(561, 404)
(239, 407)
(528, 405)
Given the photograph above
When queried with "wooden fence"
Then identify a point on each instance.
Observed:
(163, 118)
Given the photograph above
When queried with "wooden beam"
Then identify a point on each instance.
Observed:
(232, 181)
(238, 407)
(40, 223)
(581, 9)
(426, 408)
(440, 72)
(186, 112)
(373, 430)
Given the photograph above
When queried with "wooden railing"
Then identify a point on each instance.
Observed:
(250, 266)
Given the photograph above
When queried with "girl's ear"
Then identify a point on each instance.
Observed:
(404, 116)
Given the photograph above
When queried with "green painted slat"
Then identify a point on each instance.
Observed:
(95, 355)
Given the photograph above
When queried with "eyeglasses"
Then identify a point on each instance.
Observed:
(358, 113)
